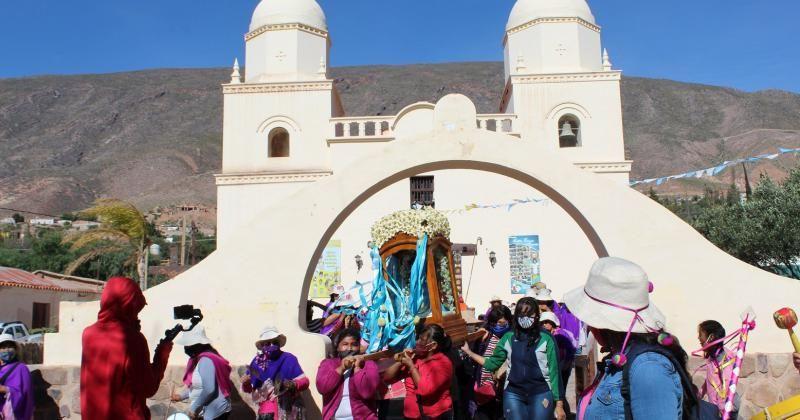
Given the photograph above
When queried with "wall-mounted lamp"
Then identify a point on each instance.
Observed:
(359, 262)
(493, 258)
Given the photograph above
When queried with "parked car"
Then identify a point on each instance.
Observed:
(19, 331)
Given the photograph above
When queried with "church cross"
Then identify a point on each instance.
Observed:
(280, 56)
(561, 50)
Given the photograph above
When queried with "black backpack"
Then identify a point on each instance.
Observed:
(691, 405)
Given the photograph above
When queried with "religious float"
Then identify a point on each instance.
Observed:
(413, 283)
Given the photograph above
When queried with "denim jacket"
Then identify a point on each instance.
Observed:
(656, 391)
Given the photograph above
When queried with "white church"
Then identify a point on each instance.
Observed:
(285, 127)
(538, 190)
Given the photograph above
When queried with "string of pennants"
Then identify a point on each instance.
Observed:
(716, 169)
(658, 181)
(508, 206)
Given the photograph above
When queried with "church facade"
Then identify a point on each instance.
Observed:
(285, 127)
(537, 191)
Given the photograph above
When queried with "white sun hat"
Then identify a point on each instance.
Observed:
(495, 298)
(196, 336)
(7, 337)
(338, 290)
(549, 316)
(543, 295)
(615, 294)
(271, 333)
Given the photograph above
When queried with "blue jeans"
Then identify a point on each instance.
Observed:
(531, 407)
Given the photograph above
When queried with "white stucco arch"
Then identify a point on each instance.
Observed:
(264, 279)
(277, 121)
(568, 108)
(409, 108)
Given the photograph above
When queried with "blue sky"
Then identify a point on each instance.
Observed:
(745, 44)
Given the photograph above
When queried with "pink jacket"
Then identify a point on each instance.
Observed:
(718, 374)
(363, 389)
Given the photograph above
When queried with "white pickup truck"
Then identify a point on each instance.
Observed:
(19, 331)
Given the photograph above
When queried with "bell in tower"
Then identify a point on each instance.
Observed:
(568, 137)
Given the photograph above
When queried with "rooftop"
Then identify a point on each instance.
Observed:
(44, 280)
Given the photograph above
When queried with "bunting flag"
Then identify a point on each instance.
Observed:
(508, 206)
(702, 173)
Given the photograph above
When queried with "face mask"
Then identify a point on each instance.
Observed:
(525, 322)
(8, 355)
(272, 350)
(347, 353)
(422, 350)
(499, 330)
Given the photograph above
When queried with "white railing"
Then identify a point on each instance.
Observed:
(362, 127)
(501, 123)
(380, 127)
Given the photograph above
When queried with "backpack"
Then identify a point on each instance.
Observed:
(691, 405)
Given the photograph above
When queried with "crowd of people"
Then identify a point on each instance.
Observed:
(517, 369)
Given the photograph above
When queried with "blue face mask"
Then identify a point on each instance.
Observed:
(499, 330)
(7, 356)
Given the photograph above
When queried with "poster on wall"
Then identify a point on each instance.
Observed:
(523, 256)
(328, 272)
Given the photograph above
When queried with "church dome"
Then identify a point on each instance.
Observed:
(525, 11)
(272, 12)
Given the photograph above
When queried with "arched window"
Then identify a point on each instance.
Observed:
(278, 143)
(569, 131)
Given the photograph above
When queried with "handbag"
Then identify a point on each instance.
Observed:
(484, 393)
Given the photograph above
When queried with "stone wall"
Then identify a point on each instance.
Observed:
(765, 380)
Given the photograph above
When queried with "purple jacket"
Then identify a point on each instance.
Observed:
(567, 320)
(19, 384)
(363, 389)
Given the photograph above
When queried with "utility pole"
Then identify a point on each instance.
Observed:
(747, 190)
(183, 241)
(146, 267)
(192, 244)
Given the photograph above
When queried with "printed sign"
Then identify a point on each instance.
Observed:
(329, 271)
(523, 255)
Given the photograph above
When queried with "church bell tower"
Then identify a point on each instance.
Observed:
(276, 115)
(561, 85)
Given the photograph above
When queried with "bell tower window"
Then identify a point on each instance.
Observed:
(278, 143)
(569, 131)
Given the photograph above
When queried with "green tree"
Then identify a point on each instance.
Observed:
(124, 230)
(18, 218)
(764, 231)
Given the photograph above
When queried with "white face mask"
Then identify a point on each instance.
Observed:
(525, 322)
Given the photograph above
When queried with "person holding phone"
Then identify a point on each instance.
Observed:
(117, 375)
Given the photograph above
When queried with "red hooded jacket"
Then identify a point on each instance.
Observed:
(116, 374)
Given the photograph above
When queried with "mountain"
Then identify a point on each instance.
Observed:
(154, 137)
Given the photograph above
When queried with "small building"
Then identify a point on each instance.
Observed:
(42, 222)
(83, 225)
(34, 298)
(8, 221)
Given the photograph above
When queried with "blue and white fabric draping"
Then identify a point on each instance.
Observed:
(700, 173)
(388, 318)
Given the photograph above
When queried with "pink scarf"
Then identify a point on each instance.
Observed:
(222, 370)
